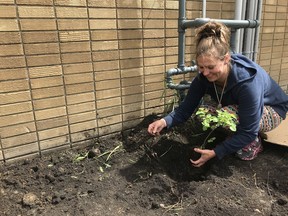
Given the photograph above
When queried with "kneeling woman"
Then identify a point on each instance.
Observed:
(235, 83)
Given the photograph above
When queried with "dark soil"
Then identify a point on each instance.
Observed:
(136, 174)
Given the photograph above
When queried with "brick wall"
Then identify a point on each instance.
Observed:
(273, 52)
(71, 70)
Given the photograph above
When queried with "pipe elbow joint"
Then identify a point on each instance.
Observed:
(171, 72)
(253, 23)
(181, 27)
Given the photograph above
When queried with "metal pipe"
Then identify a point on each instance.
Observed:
(242, 30)
(249, 33)
(181, 69)
(257, 31)
(235, 24)
(237, 16)
(252, 42)
(181, 34)
(204, 8)
(183, 24)
(177, 71)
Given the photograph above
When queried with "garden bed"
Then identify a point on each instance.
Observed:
(135, 174)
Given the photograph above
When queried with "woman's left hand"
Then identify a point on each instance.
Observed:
(206, 155)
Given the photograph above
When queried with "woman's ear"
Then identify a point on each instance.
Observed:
(227, 58)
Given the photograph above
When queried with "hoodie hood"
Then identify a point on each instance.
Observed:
(242, 69)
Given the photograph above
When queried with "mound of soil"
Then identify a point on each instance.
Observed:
(136, 174)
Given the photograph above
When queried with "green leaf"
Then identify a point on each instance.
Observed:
(101, 169)
(81, 157)
(233, 128)
(211, 139)
(222, 119)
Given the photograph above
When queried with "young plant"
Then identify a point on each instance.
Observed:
(176, 99)
(171, 104)
(82, 156)
(221, 119)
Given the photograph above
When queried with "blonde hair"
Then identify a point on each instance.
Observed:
(213, 38)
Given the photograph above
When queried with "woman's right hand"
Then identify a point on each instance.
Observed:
(156, 127)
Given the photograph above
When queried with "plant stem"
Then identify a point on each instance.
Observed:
(205, 141)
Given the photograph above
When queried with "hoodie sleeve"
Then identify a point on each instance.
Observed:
(186, 108)
(250, 109)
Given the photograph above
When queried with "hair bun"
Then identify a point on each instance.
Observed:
(210, 30)
(212, 37)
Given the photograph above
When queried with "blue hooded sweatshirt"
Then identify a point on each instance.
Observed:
(248, 86)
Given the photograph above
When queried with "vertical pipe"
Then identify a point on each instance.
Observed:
(255, 11)
(252, 42)
(236, 32)
(257, 30)
(242, 30)
(181, 34)
(249, 39)
(204, 9)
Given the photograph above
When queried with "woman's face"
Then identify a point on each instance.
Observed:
(212, 68)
